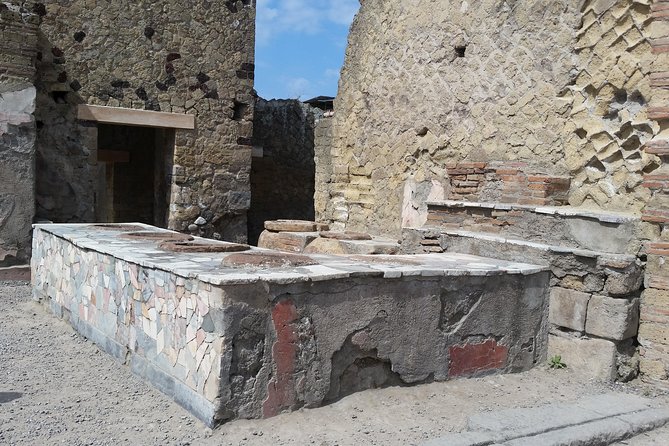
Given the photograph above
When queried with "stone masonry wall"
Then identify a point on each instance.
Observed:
(608, 119)
(323, 161)
(18, 29)
(546, 85)
(654, 325)
(282, 177)
(175, 56)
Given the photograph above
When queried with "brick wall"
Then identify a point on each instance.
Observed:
(508, 182)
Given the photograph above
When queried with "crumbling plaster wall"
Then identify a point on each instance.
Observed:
(174, 56)
(17, 132)
(558, 85)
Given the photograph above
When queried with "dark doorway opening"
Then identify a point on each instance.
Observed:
(135, 174)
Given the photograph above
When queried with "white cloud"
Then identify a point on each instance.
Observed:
(343, 11)
(331, 73)
(298, 87)
(302, 16)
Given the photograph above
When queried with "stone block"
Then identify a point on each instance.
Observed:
(595, 358)
(611, 318)
(654, 302)
(657, 265)
(325, 246)
(624, 282)
(653, 332)
(291, 226)
(286, 241)
(568, 308)
(377, 246)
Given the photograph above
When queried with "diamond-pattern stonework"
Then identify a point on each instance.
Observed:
(560, 88)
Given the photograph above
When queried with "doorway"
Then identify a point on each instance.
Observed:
(135, 174)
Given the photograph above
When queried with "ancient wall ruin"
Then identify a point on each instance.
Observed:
(282, 170)
(323, 161)
(17, 132)
(177, 57)
(654, 327)
(498, 91)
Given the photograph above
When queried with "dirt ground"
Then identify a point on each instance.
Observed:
(56, 388)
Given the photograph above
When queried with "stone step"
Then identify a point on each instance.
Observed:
(562, 226)
(317, 243)
(587, 271)
(593, 420)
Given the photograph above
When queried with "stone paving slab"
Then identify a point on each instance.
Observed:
(552, 417)
(592, 421)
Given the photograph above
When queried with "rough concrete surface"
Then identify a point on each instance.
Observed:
(57, 388)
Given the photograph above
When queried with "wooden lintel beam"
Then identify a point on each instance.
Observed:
(140, 118)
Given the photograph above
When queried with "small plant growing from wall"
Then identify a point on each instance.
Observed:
(556, 362)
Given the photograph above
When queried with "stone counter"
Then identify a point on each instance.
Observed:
(229, 338)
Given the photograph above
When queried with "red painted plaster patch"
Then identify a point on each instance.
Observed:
(281, 388)
(468, 359)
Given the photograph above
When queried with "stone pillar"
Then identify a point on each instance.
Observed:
(17, 133)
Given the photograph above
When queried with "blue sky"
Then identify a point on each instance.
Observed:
(300, 46)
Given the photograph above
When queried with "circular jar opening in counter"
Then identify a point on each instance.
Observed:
(158, 236)
(202, 246)
(267, 260)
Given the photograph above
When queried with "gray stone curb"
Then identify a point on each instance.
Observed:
(592, 421)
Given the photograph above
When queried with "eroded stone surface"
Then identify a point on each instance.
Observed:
(475, 92)
(291, 226)
(610, 318)
(202, 246)
(18, 133)
(592, 357)
(568, 308)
